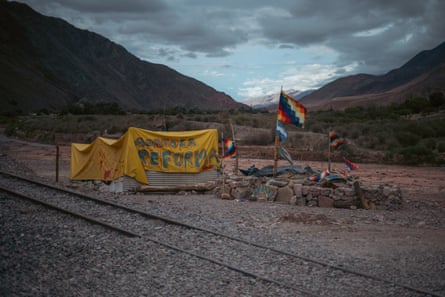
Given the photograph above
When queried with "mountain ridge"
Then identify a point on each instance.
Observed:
(46, 63)
(421, 75)
(271, 100)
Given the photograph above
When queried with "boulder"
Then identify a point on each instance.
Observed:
(284, 195)
(324, 201)
(298, 190)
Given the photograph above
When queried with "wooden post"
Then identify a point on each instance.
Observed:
(275, 155)
(329, 150)
(222, 164)
(363, 202)
(234, 141)
(57, 163)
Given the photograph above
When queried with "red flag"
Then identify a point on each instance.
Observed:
(351, 166)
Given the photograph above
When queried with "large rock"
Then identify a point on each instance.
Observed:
(324, 201)
(241, 193)
(298, 190)
(277, 183)
(284, 195)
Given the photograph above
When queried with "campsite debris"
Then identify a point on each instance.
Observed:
(284, 195)
(363, 201)
(294, 186)
(208, 186)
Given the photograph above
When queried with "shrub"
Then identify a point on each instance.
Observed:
(417, 104)
(10, 130)
(441, 147)
(430, 143)
(407, 138)
(260, 138)
(414, 155)
(437, 99)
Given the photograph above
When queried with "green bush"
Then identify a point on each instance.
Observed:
(437, 99)
(407, 138)
(430, 143)
(417, 104)
(260, 138)
(441, 147)
(10, 130)
(415, 155)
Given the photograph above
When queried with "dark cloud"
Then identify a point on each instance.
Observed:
(377, 35)
(190, 55)
(286, 46)
(100, 6)
(374, 34)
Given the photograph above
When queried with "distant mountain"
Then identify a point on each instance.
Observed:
(423, 74)
(272, 99)
(46, 63)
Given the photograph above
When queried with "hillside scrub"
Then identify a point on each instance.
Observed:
(408, 133)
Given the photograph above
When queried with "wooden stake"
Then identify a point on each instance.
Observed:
(222, 164)
(329, 150)
(363, 202)
(57, 163)
(277, 141)
(275, 155)
(233, 139)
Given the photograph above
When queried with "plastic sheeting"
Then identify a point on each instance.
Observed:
(139, 150)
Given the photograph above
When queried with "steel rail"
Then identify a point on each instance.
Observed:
(231, 267)
(70, 212)
(190, 226)
(129, 233)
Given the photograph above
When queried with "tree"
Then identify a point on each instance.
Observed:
(437, 99)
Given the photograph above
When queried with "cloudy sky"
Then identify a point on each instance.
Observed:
(249, 48)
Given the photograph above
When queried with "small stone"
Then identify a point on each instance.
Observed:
(324, 201)
(284, 195)
(298, 190)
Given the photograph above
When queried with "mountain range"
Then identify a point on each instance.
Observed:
(272, 99)
(420, 76)
(46, 63)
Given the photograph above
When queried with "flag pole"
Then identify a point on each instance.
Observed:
(275, 158)
(329, 149)
(222, 164)
(277, 141)
(234, 140)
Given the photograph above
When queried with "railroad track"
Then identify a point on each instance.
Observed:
(278, 267)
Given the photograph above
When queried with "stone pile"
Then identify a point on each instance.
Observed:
(303, 192)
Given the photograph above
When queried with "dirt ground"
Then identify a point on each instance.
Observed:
(409, 241)
(415, 182)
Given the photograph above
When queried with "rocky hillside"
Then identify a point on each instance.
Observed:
(46, 63)
(423, 74)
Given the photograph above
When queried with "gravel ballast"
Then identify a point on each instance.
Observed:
(45, 253)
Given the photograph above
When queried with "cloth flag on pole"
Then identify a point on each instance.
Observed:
(230, 148)
(290, 110)
(351, 166)
(318, 177)
(282, 132)
(285, 154)
(335, 140)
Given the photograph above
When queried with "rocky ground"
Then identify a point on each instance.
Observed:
(407, 244)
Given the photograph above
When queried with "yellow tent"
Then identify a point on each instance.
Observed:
(139, 150)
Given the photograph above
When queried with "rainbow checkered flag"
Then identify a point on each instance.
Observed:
(230, 148)
(335, 140)
(290, 110)
(320, 176)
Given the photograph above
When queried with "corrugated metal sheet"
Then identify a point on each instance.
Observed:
(165, 179)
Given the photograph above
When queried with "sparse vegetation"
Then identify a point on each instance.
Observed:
(410, 133)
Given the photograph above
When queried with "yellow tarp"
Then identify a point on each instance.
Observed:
(139, 150)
